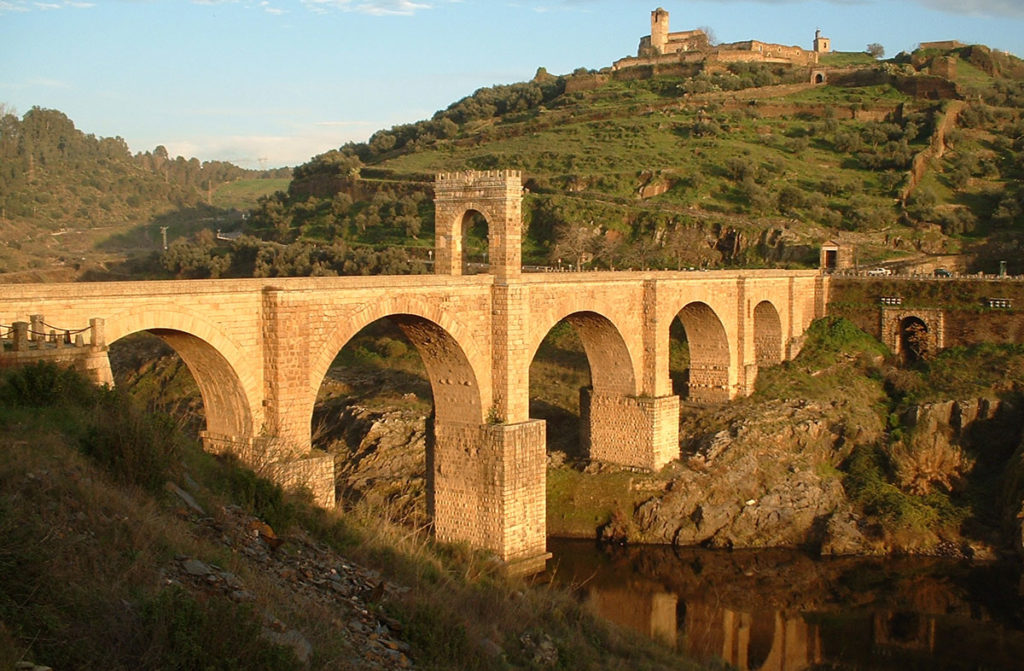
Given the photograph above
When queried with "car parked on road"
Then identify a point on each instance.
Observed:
(942, 272)
(879, 272)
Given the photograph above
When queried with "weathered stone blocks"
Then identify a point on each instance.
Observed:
(630, 430)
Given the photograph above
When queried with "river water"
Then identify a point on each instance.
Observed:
(782, 610)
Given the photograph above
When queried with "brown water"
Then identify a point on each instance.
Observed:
(780, 610)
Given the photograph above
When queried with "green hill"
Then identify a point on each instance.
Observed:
(917, 160)
(741, 165)
(64, 193)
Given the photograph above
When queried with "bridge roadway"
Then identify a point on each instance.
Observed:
(259, 350)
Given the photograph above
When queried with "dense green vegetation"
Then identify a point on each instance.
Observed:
(56, 176)
(64, 195)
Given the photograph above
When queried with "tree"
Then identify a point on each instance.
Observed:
(876, 50)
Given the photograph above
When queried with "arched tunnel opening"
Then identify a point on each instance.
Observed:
(699, 355)
(373, 414)
(158, 378)
(377, 408)
(558, 372)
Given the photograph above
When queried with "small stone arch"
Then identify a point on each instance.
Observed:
(709, 353)
(913, 334)
(226, 381)
(767, 334)
(913, 339)
(818, 77)
(611, 365)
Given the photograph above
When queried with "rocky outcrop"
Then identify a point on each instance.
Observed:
(936, 452)
(380, 457)
(762, 482)
(769, 477)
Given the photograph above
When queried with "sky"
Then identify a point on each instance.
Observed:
(270, 83)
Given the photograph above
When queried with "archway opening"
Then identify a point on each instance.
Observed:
(581, 355)
(475, 243)
(762, 636)
(186, 377)
(699, 355)
(767, 335)
(819, 77)
(377, 408)
(157, 377)
(913, 339)
(558, 372)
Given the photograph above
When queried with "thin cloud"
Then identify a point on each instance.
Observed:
(346, 124)
(293, 147)
(977, 7)
(48, 83)
(266, 7)
(11, 6)
(374, 7)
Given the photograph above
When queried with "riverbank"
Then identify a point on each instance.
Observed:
(841, 452)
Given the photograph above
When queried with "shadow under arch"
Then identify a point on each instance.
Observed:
(767, 334)
(611, 364)
(710, 357)
(592, 350)
(447, 350)
(913, 342)
(214, 361)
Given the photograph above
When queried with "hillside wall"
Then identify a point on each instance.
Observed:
(967, 318)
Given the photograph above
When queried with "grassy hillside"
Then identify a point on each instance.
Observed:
(124, 546)
(745, 165)
(64, 193)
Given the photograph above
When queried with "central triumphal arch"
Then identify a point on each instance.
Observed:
(260, 348)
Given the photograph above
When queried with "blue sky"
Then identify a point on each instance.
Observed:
(273, 82)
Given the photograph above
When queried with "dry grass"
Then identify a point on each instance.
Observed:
(84, 560)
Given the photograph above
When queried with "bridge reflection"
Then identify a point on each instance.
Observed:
(784, 611)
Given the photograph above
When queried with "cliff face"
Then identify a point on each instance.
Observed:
(770, 478)
(764, 480)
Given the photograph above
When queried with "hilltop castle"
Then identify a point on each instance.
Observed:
(662, 47)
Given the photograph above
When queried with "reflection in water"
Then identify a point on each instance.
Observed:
(779, 610)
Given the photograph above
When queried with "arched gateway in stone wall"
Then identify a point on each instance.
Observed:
(259, 350)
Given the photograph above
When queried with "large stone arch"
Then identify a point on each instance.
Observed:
(455, 364)
(611, 364)
(228, 381)
(767, 334)
(710, 354)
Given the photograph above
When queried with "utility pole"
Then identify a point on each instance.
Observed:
(163, 232)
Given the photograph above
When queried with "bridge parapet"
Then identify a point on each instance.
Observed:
(26, 342)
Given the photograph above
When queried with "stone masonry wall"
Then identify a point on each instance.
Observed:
(489, 487)
(630, 430)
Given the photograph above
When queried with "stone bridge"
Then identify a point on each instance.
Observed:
(259, 350)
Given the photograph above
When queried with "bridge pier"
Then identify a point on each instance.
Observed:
(637, 431)
(489, 489)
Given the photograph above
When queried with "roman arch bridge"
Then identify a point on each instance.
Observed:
(260, 348)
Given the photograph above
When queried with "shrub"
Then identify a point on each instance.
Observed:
(43, 384)
(137, 447)
(215, 634)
